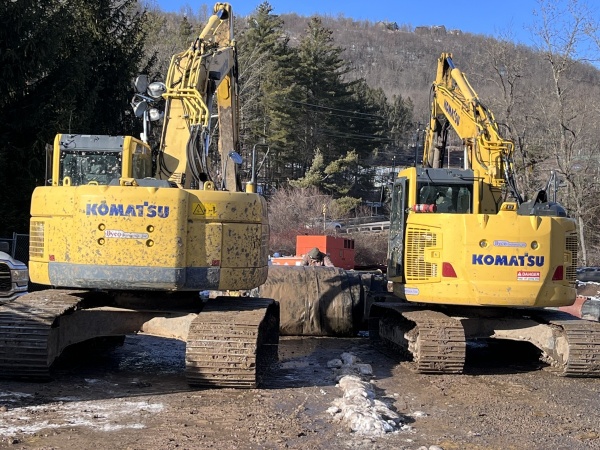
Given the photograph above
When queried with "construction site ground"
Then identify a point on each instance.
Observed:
(136, 397)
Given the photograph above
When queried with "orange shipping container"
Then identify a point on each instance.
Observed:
(339, 249)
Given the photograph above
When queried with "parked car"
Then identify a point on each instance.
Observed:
(329, 225)
(333, 225)
(14, 277)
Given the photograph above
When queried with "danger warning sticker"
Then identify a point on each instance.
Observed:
(525, 275)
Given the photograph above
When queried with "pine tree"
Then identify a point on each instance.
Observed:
(323, 93)
(267, 65)
(66, 67)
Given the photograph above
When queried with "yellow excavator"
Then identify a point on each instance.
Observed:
(129, 235)
(468, 259)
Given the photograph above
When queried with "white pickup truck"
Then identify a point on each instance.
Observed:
(14, 276)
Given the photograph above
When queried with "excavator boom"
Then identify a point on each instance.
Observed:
(207, 69)
(455, 104)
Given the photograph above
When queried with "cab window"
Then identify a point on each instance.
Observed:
(89, 167)
(452, 198)
(141, 163)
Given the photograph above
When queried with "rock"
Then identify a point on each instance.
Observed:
(335, 363)
(349, 359)
(364, 369)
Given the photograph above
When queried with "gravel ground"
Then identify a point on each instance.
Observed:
(136, 397)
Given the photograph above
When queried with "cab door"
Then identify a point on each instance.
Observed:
(395, 256)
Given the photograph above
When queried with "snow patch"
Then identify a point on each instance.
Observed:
(103, 415)
(359, 408)
(13, 396)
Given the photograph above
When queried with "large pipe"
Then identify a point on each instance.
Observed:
(319, 301)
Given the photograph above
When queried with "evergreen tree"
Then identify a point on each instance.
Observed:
(186, 32)
(323, 94)
(66, 67)
(400, 130)
(267, 71)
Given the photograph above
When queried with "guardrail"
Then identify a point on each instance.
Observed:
(372, 227)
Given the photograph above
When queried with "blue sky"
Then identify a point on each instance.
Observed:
(491, 18)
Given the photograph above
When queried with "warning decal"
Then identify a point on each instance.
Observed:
(199, 209)
(204, 209)
(525, 275)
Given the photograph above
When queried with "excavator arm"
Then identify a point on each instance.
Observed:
(207, 69)
(455, 104)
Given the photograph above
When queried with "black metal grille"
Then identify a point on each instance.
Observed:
(5, 281)
(572, 247)
(21, 251)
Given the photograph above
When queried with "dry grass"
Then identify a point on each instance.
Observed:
(294, 212)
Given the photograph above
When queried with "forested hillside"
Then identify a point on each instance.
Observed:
(331, 97)
(544, 98)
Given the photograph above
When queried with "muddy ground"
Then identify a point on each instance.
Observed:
(136, 397)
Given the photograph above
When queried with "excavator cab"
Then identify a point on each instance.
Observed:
(448, 191)
(101, 160)
(426, 190)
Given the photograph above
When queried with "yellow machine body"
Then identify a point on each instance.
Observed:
(132, 237)
(502, 259)
(454, 238)
(111, 221)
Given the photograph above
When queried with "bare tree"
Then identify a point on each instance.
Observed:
(563, 35)
(296, 211)
(509, 75)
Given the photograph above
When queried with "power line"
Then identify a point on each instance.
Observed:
(335, 109)
(363, 137)
(377, 118)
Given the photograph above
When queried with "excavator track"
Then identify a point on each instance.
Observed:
(27, 340)
(232, 342)
(583, 340)
(435, 340)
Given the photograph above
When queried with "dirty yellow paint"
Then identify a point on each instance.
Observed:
(157, 228)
